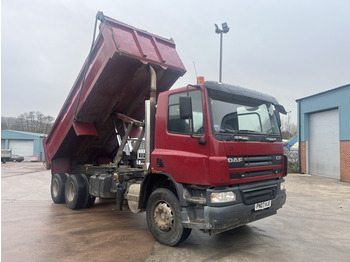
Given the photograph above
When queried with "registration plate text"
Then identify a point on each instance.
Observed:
(262, 205)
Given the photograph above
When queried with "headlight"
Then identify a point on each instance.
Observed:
(222, 197)
(283, 186)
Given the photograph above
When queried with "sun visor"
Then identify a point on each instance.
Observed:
(222, 89)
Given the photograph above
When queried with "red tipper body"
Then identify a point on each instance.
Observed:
(117, 80)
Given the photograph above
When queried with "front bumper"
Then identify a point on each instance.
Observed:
(218, 218)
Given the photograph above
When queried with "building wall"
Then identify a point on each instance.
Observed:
(332, 99)
(303, 157)
(345, 160)
(338, 98)
(38, 149)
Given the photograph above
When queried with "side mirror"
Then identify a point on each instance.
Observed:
(280, 109)
(185, 107)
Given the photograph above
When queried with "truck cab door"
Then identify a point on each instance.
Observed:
(181, 149)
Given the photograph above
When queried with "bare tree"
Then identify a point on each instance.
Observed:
(8, 122)
(48, 122)
(288, 128)
(35, 122)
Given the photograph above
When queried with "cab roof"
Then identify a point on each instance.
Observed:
(244, 92)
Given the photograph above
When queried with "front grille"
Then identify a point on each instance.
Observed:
(260, 194)
(250, 162)
(254, 161)
(255, 173)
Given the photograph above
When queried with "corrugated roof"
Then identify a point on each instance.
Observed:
(324, 92)
(11, 133)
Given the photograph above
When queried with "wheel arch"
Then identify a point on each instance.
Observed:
(159, 180)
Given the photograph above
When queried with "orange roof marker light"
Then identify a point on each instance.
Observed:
(200, 79)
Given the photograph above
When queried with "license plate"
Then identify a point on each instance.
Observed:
(262, 205)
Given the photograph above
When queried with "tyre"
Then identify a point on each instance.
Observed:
(75, 191)
(58, 182)
(89, 199)
(163, 214)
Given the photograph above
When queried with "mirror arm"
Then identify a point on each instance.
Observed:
(201, 139)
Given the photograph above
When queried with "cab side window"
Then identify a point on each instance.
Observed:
(182, 126)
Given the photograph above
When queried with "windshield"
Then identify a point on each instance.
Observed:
(243, 118)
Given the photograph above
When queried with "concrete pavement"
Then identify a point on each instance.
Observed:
(312, 226)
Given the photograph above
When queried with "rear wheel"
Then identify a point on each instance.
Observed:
(75, 191)
(89, 199)
(58, 182)
(164, 218)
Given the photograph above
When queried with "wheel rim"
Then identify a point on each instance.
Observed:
(70, 191)
(164, 217)
(55, 187)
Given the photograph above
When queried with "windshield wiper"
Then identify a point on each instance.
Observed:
(272, 137)
(238, 134)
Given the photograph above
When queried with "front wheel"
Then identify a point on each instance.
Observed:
(164, 218)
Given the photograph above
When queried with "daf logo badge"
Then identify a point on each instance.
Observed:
(235, 159)
(278, 157)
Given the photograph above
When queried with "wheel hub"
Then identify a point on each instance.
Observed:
(70, 192)
(163, 217)
(55, 188)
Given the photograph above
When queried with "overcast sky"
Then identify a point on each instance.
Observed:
(289, 49)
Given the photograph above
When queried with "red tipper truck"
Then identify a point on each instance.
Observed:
(213, 153)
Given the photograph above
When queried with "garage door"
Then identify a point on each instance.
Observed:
(324, 152)
(23, 148)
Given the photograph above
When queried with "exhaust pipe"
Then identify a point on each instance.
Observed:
(153, 95)
(150, 111)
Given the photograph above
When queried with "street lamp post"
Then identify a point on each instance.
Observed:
(288, 128)
(222, 31)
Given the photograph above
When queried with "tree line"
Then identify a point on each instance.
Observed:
(35, 122)
(288, 129)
